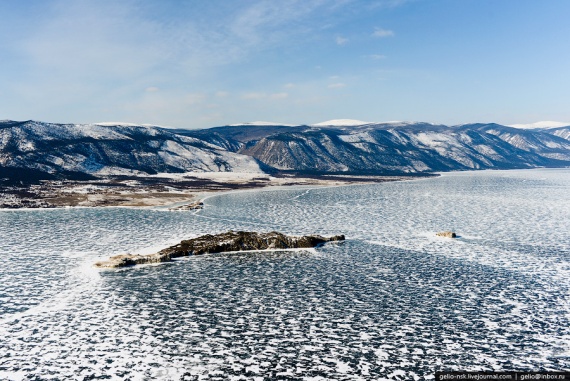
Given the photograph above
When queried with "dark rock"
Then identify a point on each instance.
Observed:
(219, 243)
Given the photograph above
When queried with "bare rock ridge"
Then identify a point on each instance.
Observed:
(219, 243)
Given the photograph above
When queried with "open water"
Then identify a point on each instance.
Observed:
(392, 302)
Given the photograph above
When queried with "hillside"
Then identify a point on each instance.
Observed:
(33, 150)
(48, 150)
(395, 147)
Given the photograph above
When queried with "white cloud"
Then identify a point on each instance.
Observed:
(377, 56)
(136, 59)
(264, 22)
(341, 40)
(248, 96)
(381, 33)
(338, 85)
(260, 96)
(386, 4)
(87, 40)
(279, 96)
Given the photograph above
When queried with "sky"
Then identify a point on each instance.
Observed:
(204, 63)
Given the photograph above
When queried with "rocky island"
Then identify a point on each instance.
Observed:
(446, 234)
(219, 243)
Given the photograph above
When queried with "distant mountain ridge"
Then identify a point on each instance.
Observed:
(50, 150)
(394, 147)
(95, 150)
(541, 125)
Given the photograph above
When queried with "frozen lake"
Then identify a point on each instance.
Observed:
(391, 302)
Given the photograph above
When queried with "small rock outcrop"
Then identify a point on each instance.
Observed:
(192, 206)
(446, 234)
(219, 243)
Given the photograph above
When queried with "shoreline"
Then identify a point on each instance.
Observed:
(175, 191)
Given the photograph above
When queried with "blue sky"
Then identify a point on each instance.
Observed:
(206, 63)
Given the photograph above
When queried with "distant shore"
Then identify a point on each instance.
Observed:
(161, 190)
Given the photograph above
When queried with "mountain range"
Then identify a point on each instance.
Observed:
(393, 147)
(31, 150)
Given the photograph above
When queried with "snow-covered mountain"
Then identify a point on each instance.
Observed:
(393, 147)
(549, 143)
(48, 150)
(540, 125)
(340, 123)
(563, 132)
(79, 150)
